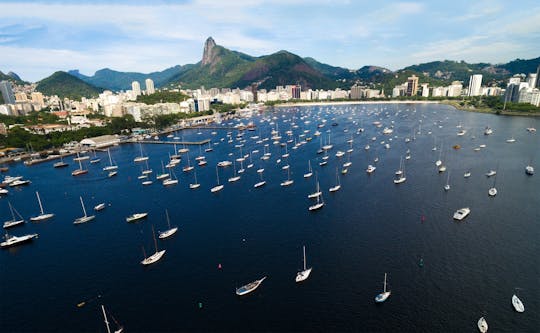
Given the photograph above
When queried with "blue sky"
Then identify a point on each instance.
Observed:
(40, 37)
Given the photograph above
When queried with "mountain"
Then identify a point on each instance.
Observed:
(221, 67)
(12, 77)
(66, 85)
(115, 80)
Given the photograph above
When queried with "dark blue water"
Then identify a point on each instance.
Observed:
(369, 227)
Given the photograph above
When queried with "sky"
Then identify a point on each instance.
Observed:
(38, 38)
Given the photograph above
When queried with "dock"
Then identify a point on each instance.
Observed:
(180, 143)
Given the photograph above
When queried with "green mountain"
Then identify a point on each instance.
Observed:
(519, 66)
(114, 80)
(66, 85)
(221, 67)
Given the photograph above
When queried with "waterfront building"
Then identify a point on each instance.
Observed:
(475, 85)
(412, 85)
(533, 77)
(425, 90)
(455, 89)
(357, 92)
(149, 86)
(295, 91)
(7, 92)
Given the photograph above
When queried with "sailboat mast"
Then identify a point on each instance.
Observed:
(12, 212)
(105, 317)
(168, 220)
(82, 204)
(217, 175)
(304, 250)
(39, 201)
(384, 282)
(155, 241)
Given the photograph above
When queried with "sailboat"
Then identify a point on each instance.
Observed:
(384, 295)
(111, 165)
(310, 170)
(163, 174)
(95, 159)
(447, 186)
(80, 170)
(316, 193)
(482, 325)
(348, 163)
(246, 289)
(304, 274)
(120, 328)
(142, 157)
(518, 305)
(196, 184)
(170, 181)
(439, 161)
(169, 232)
(60, 164)
(85, 218)
(493, 190)
(400, 174)
(338, 183)
(14, 221)
(42, 216)
(154, 257)
(236, 177)
(188, 167)
(289, 181)
(218, 187)
(262, 182)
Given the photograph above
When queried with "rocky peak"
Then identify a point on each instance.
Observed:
(208, 55)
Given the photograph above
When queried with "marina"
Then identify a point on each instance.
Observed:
(356, 236)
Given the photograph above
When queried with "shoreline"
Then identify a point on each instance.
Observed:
(445, 102)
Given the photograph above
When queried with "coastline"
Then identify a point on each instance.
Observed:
(446, 102)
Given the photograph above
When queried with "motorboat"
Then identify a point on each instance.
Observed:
(462, 213)
(11, 240)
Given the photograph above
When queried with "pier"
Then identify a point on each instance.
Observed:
(180, 143)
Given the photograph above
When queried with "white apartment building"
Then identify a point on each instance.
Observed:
(149, 86)
(475, 85)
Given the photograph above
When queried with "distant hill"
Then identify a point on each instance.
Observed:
(66, 85)
(116, 81)
(12, 77)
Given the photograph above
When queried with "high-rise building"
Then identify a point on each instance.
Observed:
(475, 85)
(357, 92)
(295, 91)
(7, 92)
(149, 86)
(425, 90)
(532, 80)
(412, 85)
(136, 88)
(537, 77)
(254, 92)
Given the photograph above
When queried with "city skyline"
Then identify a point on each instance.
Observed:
(37, 39)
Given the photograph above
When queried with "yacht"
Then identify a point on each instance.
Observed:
(518, 305)
(529, 169)
(384, 295)
(304, 274)
(218, 187)
(136, 216)
(482, 325)
(462, 213)
(169, 232)
(467, 174)
(491, 173)
(14, 240)
(42, 216)
(85, 218)
(370, 169)
(154, 257)
(488, 131)
(249, 287)
(99, 207)
(14, 220)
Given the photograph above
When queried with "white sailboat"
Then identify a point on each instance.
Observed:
(142, 157)
(169, 232)
(400, 174)
(310, 170)
(42, 216)
(188, 167)
(111, 165)
(196, 184)
(384, 295)
(316, 193)
(85, 218)
(447, 186)
(154, 257)
(338, 183)
(236, 177)
(14, 220)
(218, 187)
(482, 325)
(163, 174)
(80, 170)
(289, 181)
(304, 274)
